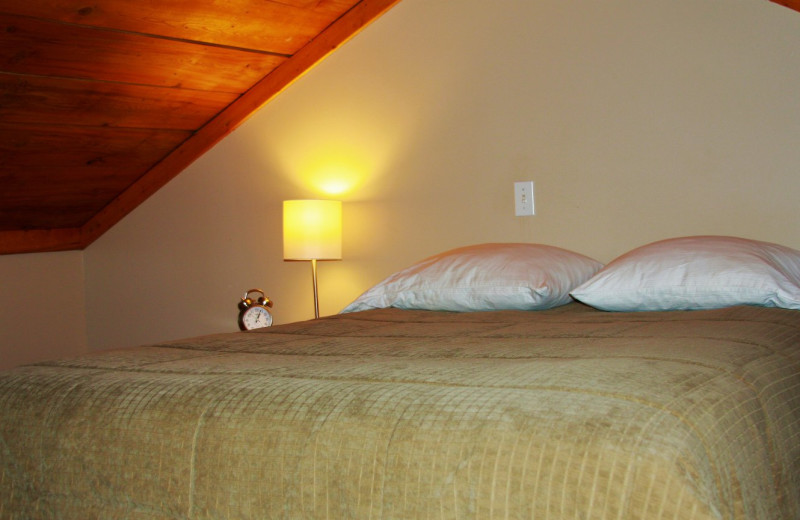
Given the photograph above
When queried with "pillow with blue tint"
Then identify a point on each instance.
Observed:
(699, 272)
(483, 277)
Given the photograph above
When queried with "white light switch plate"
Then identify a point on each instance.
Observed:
(523, 199)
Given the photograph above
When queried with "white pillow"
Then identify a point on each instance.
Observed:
(702, 272)
(483, 277)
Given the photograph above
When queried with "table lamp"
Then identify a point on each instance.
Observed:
(312, 230)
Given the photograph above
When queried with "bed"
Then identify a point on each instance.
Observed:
(388, 412)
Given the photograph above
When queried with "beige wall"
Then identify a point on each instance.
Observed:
(41, 307)
(638, 120)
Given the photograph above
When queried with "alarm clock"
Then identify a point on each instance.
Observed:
(254, 314)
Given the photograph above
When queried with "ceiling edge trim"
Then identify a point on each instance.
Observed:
(40, 240)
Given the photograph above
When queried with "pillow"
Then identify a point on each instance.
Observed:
(702, 272)
(483, 277)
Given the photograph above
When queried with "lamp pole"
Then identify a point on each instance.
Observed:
(314, 282)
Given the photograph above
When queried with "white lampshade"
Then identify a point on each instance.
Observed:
(312, 230)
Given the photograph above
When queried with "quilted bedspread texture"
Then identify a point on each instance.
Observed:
(569, 413)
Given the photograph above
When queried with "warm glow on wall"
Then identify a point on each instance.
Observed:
(334, 170)
(334, 149)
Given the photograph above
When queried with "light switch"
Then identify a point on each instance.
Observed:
(523, 199)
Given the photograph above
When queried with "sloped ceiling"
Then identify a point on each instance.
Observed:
(103, 102)
(791, 4)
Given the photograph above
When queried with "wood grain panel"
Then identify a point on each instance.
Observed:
(97, 148)
(69, 214)
(33, 99)
(65, 175)
(279, 27)
(74, 52)
(103, 103)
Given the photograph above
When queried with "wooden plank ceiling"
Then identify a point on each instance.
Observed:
(102, 102)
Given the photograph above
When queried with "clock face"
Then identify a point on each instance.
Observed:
(256, 317)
